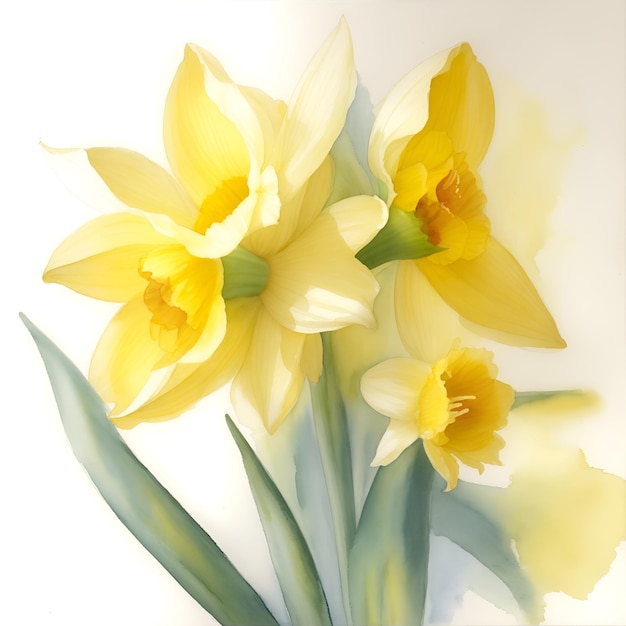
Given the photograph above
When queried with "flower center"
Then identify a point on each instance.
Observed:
(221, 203)
(180, 293)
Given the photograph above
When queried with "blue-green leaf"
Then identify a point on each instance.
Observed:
(293, 563)
(333, 439)
(389, 560)
(143, 505)
(530, 397)
(463, 516)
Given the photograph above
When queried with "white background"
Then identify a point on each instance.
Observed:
(80, 74)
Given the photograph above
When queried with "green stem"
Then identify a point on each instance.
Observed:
(331, 428)
(245, 274)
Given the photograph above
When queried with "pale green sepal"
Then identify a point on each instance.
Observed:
(530, 397)
(143, 505)
(245, 274)
(331, 430)
(467, 516)
(401, 238)
(293, 563)
(389, 560)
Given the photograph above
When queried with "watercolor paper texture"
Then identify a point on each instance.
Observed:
(553, 176)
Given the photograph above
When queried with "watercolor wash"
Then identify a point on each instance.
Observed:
(352, 293)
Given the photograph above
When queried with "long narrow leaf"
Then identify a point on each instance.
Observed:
(289, 551)
(462, 516)
(389, 560)
(331, 429)
(143, 505)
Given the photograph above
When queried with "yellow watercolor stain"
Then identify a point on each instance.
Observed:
(566, 518)
(525, 169)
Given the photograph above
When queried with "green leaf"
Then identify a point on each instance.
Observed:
(468, 517)
(530, 397)
(331, 430)
(389, 560)
(290, 554)
(401, 238)
(143, 505)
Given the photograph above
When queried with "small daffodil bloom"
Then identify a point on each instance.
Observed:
(239, 160)
(429, 137)
(454, 405)
(445, 394)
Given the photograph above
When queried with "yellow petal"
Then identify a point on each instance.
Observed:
(393, 388)
(410, 184)
(444, 463)
(315, 284)
(461, 104)
(190, 383)
(494, 292)
(296, 214)
(316, 111)
(101, 259)
(359, 219)
(125, 356)
(142, 184)
(402, 114)
(270, 379)
(395, 440)
(260, 208)
(204, 147)
(426, 324)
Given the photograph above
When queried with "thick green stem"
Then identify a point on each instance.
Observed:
(331, 428)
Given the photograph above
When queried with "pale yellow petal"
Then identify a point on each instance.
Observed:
(402, 114)
(461, 104)
(359, 219)
(317, 111)
(494, 292)
(204, 147)
(395, 440)
(237, 104)
(190, 383)
(444, 463)
(101, 259)
(270, 379)
(296, 214)
(427, 326)
(142, 184)
(125, 356)
(393, 388)
(260, 208)
(315, 284)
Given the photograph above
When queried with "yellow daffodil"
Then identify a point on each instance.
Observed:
(455, 405)
(429, 137)
(239, 159)
(447, 395)
(236, 155)
(272, 340)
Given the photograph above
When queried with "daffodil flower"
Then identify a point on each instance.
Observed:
(443, 393)
(455, 405)
(272, 341)
(429, 137)
(239, 159)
